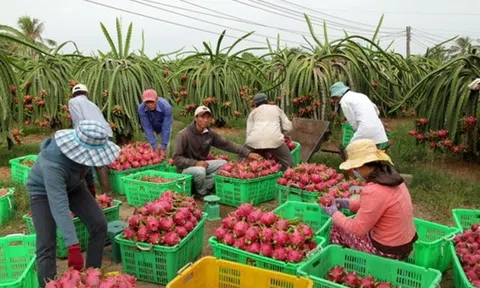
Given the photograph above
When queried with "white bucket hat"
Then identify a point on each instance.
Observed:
(87, 144)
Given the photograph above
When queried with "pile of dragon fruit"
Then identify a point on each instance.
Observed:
(104, 201)
(92, 278)
(340, 275)
(249, 169)
(135, 156)
(311, 177)
(290, 144)
(264, 233)
(155, 179)
(165, 221)
(342, 190)
(467, 247)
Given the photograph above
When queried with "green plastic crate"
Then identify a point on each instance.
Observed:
(460, 280)
(296, 154)
(234, 192)
(464, 218)
(140, 192)
(111, 214)
(116, 181)
(20, 172)
(229, 253)
(286, 193)
(171, 169)
(431, 249)
(400, 274)
(160, 264)
(17, 261)
(310, 213)
(348, 134)
(6, 206)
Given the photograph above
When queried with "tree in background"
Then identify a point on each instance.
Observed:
(33, 28)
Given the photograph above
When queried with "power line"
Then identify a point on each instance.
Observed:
(407, 12)
(434, 39)
(336, 17)
(230, 17)
(209, 22)
(283, 15)
(243, 20)
(170, 22)
(330, 22)
(419, 43)
(333, 25)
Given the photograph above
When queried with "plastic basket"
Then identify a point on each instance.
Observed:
(348, 134)
(140, 192)
(111, 214)
(286, 193)
(171, 169)
(399, 274)
(464, 218)
(431, 249)
(17, 261)
(229, 253)
(460, 280)
(234, 192)
(6, 206)
(296, 154)
(310, 213)
(116, 181)
(160, 264)
(19, 171)
(209, 272)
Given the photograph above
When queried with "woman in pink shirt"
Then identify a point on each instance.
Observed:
(384, 223)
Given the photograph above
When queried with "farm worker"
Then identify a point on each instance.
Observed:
(384, 222)
(192, 146)
(265, 127)
(56, 185)
(81, 108)
(156, 117)
(361, 113)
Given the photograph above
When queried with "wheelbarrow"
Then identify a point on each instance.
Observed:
(311, 134)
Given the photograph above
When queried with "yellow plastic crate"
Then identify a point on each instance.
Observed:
(209, 272)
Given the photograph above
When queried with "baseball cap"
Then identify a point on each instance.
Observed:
(149, 95)
(201, 110)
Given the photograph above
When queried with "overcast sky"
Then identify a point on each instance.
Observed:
(79, 20)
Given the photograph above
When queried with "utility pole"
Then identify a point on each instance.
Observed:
(409, 37)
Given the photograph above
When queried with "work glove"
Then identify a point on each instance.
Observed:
(343, 203)
(330, 210)
(75, 257)
(91, 188)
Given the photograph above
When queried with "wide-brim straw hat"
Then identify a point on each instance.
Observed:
(87, 144)
(363, 151)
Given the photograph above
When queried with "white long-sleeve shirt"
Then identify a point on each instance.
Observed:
(265, 127)
(362, 115)
(83, 109)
